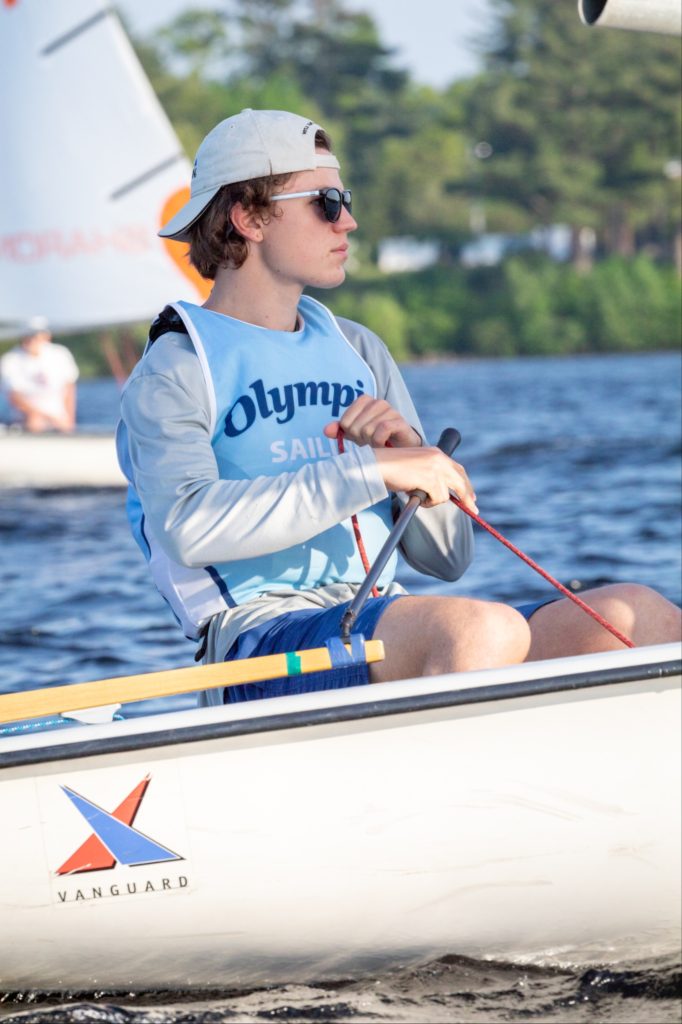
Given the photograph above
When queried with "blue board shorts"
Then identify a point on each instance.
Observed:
(301, 630)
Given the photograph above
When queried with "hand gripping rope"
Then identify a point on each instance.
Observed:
(448, 442)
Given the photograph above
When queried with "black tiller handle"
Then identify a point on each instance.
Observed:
(447, 442)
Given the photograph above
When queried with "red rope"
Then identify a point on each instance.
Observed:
(508, 544)
(545, 575)
(356, 525)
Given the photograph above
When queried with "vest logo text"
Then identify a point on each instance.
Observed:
(282, 402)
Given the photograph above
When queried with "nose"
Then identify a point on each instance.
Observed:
(346, 222)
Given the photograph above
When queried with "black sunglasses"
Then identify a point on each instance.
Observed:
(332, 201)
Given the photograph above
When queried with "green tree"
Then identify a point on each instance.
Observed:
(563, 124)
(401, 145)
(581, 124)
(379, 311)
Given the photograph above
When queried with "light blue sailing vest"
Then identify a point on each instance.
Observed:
(271, 393)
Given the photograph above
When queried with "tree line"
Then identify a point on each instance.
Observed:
(563, 124)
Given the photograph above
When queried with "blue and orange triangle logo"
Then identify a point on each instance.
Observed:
(114, 840)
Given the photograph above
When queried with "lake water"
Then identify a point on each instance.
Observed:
(576, 460)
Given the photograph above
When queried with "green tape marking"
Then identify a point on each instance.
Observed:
(293, 663)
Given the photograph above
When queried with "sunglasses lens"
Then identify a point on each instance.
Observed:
(333, 202)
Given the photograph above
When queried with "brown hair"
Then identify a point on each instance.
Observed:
(215, 242)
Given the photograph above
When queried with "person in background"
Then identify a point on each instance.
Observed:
(241, 497)
(39, 378)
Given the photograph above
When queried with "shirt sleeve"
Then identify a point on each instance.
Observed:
(438, 541)
(199, 518)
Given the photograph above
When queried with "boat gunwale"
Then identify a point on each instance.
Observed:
(341, 713)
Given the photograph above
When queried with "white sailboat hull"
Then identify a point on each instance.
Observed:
(48, 461)
(324, 835)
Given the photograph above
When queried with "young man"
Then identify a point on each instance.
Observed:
(241, 498)
(39, 378)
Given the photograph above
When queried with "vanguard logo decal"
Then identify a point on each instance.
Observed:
(114, 840)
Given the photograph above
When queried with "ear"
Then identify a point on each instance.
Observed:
(247, 222)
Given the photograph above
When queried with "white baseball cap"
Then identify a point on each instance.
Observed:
(35, 325)
(252, 144)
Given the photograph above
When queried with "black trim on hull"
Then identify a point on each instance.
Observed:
(342, 713)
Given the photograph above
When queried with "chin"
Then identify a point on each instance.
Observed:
(329, 280)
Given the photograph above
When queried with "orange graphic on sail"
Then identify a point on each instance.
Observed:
(178, 250)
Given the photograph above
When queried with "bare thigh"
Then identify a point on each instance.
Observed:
(433, 635)
(640, 613)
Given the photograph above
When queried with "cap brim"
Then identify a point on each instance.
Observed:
(178, 226)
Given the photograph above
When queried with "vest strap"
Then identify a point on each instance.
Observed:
(167, 320)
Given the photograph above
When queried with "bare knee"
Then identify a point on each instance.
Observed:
(491, 635)
(431, 636)
(638, 612)
(645, 615)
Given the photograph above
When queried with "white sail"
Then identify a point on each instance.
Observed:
(90, 168)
